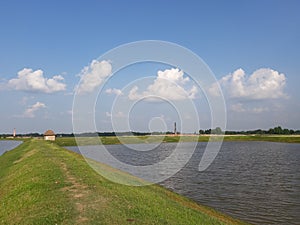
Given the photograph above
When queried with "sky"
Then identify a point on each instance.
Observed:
(49, 53)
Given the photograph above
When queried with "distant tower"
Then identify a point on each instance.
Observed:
(14, 134)
(175, 131)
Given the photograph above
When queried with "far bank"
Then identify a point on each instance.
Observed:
(72, 141)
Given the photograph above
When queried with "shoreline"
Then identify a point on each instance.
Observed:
(41, 182)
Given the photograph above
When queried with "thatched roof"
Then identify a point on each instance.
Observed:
(49, 133)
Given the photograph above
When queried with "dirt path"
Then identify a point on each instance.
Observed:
(78, 192)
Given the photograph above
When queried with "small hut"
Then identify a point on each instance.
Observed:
(49, 135)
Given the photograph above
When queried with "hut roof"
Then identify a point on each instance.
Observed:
(49, 133)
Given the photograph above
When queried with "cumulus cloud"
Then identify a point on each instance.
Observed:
(93, 75)
(29, 80)
(241, 108)
(113, 91)
(31, 110)
(169, 84)
(264, 83)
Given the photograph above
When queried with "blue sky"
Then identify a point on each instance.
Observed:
(252, 47)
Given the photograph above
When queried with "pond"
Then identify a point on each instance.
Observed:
(258, 182)
(8, 145)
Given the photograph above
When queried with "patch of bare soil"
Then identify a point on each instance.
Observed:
(78, 192)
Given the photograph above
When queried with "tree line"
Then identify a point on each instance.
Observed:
(276, 130)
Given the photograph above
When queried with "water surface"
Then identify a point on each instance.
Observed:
(8, 145)
(258, 182)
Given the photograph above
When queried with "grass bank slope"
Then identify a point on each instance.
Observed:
(42, 183)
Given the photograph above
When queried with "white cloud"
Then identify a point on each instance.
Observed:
(93, 75)
(168, 85)
(264, 83)
(117, 115)
(238, 107)
(29, 80)
(31, 110)
(113, 91)
(133, 93)
(215, 89)
(241, 108)
(260, 109)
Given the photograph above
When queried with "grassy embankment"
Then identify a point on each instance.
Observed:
(42, 183)
(153, 139)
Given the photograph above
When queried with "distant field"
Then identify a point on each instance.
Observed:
(42, 183)
(187, 138)
(271, 138)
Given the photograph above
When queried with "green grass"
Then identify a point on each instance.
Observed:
(271, 138)
(154, 139)
(42, 183)
(124, 139)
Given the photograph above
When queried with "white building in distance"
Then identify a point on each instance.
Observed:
(49, 135)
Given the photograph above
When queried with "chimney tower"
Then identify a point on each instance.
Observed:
(14, 134)
(175, 130)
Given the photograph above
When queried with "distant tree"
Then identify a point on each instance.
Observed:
(278, 130)
(259, 131)
(285, 131)
(271, 131)
(201, 132)
(208, 131)
(231, 132)
(218, 130)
